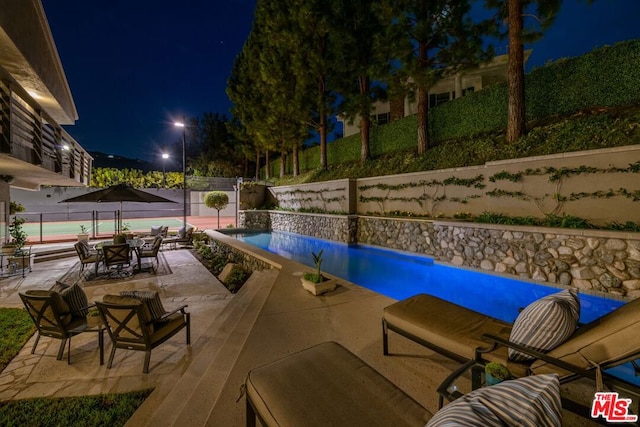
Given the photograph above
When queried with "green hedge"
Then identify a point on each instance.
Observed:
(606, 77)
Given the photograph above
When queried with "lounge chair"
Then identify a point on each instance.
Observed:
(327, 385)
(184, 237)
(131, 325)
(465, 335)
(157, 230)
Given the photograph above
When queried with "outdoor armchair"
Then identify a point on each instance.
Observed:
(131, 325)
(151, 250)
(117, 256)
(87, 256)
(61, 315)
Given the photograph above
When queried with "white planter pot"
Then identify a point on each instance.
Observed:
(319, 288)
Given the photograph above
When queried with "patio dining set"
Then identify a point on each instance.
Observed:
(116, 256)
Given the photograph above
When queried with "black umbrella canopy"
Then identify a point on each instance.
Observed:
(118, 193)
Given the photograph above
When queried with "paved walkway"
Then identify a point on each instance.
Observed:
(41, 374)
(270, 317)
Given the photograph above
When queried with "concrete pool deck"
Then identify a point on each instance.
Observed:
(269, 318)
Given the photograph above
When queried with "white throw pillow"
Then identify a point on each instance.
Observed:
(546, 323)
(532, 401)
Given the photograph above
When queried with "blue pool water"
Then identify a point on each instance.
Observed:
(401, 275)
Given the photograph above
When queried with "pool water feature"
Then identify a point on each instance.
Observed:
(400, 275)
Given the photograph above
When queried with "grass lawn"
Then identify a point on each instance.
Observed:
(16, 327)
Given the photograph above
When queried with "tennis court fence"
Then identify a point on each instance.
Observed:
(59, 226)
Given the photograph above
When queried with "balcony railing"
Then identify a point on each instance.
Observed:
(29, 134)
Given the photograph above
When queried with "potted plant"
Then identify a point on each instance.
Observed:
(495, 373)
(18, 235)
(83, 236)
(126, 230)
(315, 282)
(21, 258)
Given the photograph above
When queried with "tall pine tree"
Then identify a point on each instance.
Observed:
(434, 39)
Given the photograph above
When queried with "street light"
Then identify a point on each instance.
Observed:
(165, 156)
(184, 170)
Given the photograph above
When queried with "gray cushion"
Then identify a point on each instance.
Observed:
(532, 401)
(75, 297)
(59, 287)
(546, 323)
(181, 232)
(156, 230)
(150, 298)
(608, 339)
(327, 385)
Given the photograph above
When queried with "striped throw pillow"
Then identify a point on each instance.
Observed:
(529, 401)
(151, 299)
(76, 299)
(546, 323)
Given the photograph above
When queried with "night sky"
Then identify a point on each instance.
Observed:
(135, 67)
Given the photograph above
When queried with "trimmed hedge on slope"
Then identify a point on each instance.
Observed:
(605, 77)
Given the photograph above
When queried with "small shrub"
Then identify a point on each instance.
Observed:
(236, 279)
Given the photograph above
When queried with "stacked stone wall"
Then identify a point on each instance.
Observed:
(341, 228)
(248, 262)
(594, 260)
(607, 262)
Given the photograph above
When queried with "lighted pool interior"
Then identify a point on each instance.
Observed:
(400, 275)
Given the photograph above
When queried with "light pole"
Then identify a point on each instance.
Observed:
(184, 170)
(165, 156)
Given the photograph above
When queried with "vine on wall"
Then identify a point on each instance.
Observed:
(555, 175)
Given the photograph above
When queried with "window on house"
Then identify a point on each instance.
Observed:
(383, 118)
(438, 98)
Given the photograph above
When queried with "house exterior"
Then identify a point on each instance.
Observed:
(445, 90)
(35, 100)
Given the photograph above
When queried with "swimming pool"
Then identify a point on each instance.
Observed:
(400, 275)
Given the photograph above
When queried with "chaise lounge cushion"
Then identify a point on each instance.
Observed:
(613, 338)
(531, 401)
(327, 385)
(446, 325)
(545, 323)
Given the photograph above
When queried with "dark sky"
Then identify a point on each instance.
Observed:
(134, 66)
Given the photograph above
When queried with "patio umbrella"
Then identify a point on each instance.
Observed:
(118, 193)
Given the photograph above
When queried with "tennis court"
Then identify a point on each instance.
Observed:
(67, 230)
(103, 226)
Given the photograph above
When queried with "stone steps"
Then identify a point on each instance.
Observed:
(189, 398)
(53, 254)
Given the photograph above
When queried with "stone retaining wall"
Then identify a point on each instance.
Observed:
(341, 228)
(595, 260)
(601, 261)
(248, 262)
